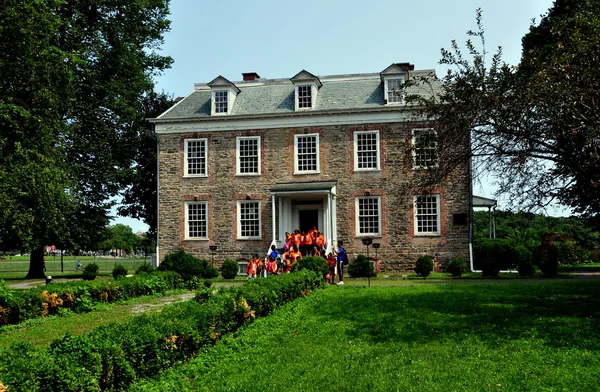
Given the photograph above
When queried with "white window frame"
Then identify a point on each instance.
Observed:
(296, 152)
(415, 150)
(238, 157)
(239, 220)
(186, 172)
(313, 96)
(187, 220)
(377, 151)
(438, 221)
(397, 100)
(358, 216)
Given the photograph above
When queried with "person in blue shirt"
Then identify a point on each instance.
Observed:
(340, 253)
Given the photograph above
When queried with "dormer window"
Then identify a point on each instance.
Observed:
(307, 87)
(393, 78)
(220, 99)
(223, 96)
(304, 97)
(393, 90)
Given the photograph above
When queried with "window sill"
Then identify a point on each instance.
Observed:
(195, 176)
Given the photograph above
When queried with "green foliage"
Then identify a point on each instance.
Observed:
(494, 254)
(79, 296)
(112, 356)
(188, 266)
(229, 269)
(511, 328)
(361, 267)
(90, 271)
(119, 271)
(490, 267)
(316, 264)
(457, 266)
(120, 237)
(71, 115)
(145, 269)
(424, 266)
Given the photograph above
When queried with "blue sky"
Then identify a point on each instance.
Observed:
(277, 39)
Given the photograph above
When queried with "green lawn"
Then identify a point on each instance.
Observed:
(16, 267)
(515, 337)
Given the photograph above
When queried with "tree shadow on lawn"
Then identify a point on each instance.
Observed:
(560, 314)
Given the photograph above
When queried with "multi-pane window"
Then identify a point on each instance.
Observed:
(307, 153)
(195, 154)
(220, 98)
(249, 219)
(427, 215)
(394, 90)
(304, 97)
(424, 148)
(366, 150)
(196, 220)
(248, 155)
(368, 215)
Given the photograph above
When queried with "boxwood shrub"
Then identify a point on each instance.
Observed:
(111, 357)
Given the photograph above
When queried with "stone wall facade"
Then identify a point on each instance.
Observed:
(222, 188)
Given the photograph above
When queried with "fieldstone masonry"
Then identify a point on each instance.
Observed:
(222, 189)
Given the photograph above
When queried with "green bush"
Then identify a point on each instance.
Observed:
(492, 253)
(361, 267)
(111, 357)
(119, 271)
(90, 271)
(145, 269)
(424, 266)
(457, 266)
(187, 266)
(229, 269)
(312, 263)
(79, 296)
(525, 268)
(490, 268)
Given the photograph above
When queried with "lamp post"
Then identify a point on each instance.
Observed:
(367, 242)
(212, 248)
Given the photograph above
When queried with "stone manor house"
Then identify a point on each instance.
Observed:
(242, 163)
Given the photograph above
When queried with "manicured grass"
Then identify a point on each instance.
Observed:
(514, 337)
(17, 266)
(40, 332)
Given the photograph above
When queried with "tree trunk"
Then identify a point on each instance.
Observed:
(36, 264)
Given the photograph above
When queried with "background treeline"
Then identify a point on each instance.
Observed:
(528, 239)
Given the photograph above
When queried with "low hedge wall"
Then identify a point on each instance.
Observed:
(112, 357)
(17, 306)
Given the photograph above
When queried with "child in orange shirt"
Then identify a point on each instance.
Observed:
(251, 268)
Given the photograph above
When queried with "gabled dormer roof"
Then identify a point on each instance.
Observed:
(306, 77)
(221, 82)
(397, 69)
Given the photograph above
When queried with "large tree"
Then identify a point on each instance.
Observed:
(534, 126)
(75, 74)
(140, 197)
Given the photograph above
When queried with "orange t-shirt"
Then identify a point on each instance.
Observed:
(308, 240)
(296, 238)
(320, 240)
(251, 268)
(295, 255)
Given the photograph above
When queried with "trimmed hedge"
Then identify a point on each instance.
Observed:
(112, 357)
(361, 267)
(17, 306)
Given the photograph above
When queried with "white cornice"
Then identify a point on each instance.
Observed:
(291, 121)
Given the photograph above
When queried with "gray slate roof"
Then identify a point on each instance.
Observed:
(276, 96)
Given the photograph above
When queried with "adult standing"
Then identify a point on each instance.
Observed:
(340, 256)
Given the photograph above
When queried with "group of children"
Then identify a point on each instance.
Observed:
(298, 245)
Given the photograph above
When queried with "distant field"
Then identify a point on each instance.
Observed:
(16, 266)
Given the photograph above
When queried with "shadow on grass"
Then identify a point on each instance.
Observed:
(564, 314)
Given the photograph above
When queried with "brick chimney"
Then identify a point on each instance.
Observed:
(250, 76)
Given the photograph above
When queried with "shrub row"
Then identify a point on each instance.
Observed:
(113, 356)
(17, 306)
